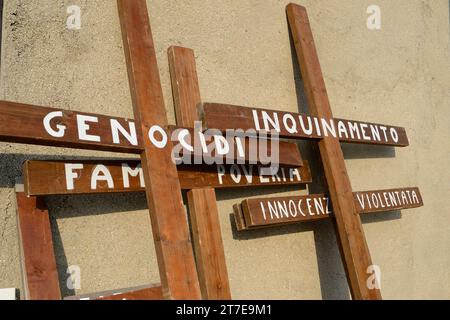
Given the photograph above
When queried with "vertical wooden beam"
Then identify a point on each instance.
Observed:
(204, 215)
(176, 263)
(40, 275)
(212, 269)
(185, 87)
(350, 232)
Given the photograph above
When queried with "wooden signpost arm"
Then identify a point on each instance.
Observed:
(176, 263)
(204, 215)
(43, 178)
(268, 212)
(350, 232)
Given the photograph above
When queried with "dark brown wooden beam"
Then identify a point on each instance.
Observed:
(43, 178)
(203, 211)
(351, 239)
(173, 245)
(286, 210)
(239, 218)
(22, 123)
(300, 126)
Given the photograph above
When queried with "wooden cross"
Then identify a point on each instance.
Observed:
(47, 126)
(353, 244)
(329, 133)
(170, 228)
(43, 178)
(163, 180)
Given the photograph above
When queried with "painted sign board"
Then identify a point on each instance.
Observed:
(297, 125)
(22, 123)
(109, 176)
(275, 211)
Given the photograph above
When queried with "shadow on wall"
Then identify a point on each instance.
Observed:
(332, 276)
(333, 280)
(61, 207)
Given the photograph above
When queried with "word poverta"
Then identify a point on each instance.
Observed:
(101, 173)
(109, 176)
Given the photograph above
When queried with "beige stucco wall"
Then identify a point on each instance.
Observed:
(398, 75)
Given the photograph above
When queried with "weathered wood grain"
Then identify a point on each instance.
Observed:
(239, 218)
(173, 245)
(208, 244)
(39, 271)
(203, 212)
(352, 242)
(22, 123)
(43, 178)
(300, 126)
(285, 210)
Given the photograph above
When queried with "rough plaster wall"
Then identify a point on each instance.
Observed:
(398, 75)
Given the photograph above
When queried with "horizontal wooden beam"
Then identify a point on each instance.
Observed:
(153, 292)
(299, 126)
(22, 123)
(256, 213)
(43, 178)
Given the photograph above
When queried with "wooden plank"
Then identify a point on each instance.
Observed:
(153, 292)
(351, 239)
(239, 218)
(274, 211)
(208, 244)
(23, 123)
(300, 126)
(40, 275)
(176, 263)
(286, 210)
(389, 199)
(203, 212)
(185, 87)
(43, 178)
